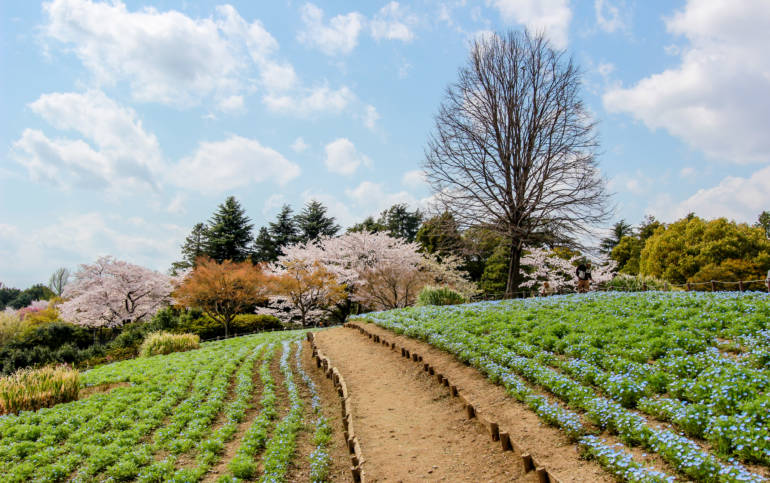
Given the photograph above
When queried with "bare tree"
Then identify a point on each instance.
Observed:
(514, 147)
(58, 280)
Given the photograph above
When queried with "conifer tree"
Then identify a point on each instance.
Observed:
(193, 247)
(283, 230)
(313, 223)
(265, 249)
(229, 233)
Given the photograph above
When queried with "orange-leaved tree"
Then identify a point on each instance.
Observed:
(222, 290)
(308, 285)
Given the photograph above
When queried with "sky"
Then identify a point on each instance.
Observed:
(124, 123)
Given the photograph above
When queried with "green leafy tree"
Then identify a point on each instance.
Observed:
(26, 297)
(619, 230)
(283, 230)
(264, 249)
(229, 233)
(495, 276)
(369, 225)
(697, 250)
(313, 223)
(7, 294)
(763, 221)
(440, 234)
(627, 253)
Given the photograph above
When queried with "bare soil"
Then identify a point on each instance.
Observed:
(411, 429)
(87, 392)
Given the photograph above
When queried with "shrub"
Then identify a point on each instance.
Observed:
(439, 296)
(31, 389)
(195, 322)
(635, 283)
(10, 325)
(166, 343)
(245, 323)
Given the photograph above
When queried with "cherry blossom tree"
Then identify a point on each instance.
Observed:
(379, 271)
(545, 266)
(111, 293)
(308, 285)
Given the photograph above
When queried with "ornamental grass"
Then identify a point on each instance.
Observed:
(166, 343)
(32, 389)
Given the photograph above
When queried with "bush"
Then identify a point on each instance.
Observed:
(195, 322)
(31, 389)
(635, 283)
(166, 343)
(10, 325)
(439, 296)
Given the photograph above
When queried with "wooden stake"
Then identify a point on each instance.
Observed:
(542, 475)
(526, 461)
(505, 441)
(495, 430)
(470, 411)
(453, 390)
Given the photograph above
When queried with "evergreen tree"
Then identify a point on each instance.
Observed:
(400, 222)
(369, 225)
(265, 249)
(763, 221)
(193, 247)
(283, 230)
(229, 233)
(441, 235)
(619, 230)
(313, 223)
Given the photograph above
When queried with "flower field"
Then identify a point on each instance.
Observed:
(171, 418)
(681, 375)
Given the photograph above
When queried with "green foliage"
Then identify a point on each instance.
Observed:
(23, 298)
(397, 220)
(194, 246)
(369, 225)
(229, 233)
(763, 222)
(196, 322)
(693, 249)
(439, 296)
(166, 343)
(7, 294)
(620, 230)
(627, 253)
(284, 230)
(441, 235)
(265, 249)
(495, 274)
(635, 283)
(479, 244)
(31, 389)
(312, 222)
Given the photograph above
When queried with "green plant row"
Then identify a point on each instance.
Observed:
(322, 434)
(279, 450)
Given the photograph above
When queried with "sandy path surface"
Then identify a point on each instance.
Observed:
(409, 427)
(549, 446)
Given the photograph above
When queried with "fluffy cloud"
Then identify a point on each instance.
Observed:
(232, 163)
(81, 238)
(736, 198)
(310, 102)
(716, 99)
(299, 145)
(414, 179)
(393, 22)
(370, 117)
(339, 36)
(165, 57)
(551, 16)
(342, 157)
(231, 104)
(371, 197)
(123, 153)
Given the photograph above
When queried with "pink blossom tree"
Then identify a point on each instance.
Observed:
(111, 293)
(545, 266)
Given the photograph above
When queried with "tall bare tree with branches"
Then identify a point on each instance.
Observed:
(513, 147)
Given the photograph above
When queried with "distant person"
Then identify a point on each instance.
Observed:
(583, 273)
(546, 289)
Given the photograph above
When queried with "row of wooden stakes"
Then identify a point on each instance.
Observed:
(331, 372)
(529, 463)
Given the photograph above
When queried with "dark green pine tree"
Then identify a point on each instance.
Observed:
(283, 230)
(193, 247)
(369, 225)
(313, 223)
(229, 233)
(265, 249)
(400, 222)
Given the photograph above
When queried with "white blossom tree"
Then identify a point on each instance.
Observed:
(111, 293)
(546, 266)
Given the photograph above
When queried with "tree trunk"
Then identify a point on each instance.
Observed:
(227, 323)
(514, 267)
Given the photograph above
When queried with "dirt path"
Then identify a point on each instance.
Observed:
(549, 446)
(409, 427)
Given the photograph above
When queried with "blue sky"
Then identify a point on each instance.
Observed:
(122, 124)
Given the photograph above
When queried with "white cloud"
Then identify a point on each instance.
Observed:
(716, 99)
(123, 154)
(272, 203)
(299, 145)
(237, 161)
(311, 101)
(414, 179)
(278, 76)
(342, 157)
(73, 239)
(165, 57)
(176, 206)
(231, 104)
(339, 36)
(372, 197)
(735, 198)
(687, 172)
(370, 117)
(551, 16)
(340, 210)
(393, 22)
(611, 15)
